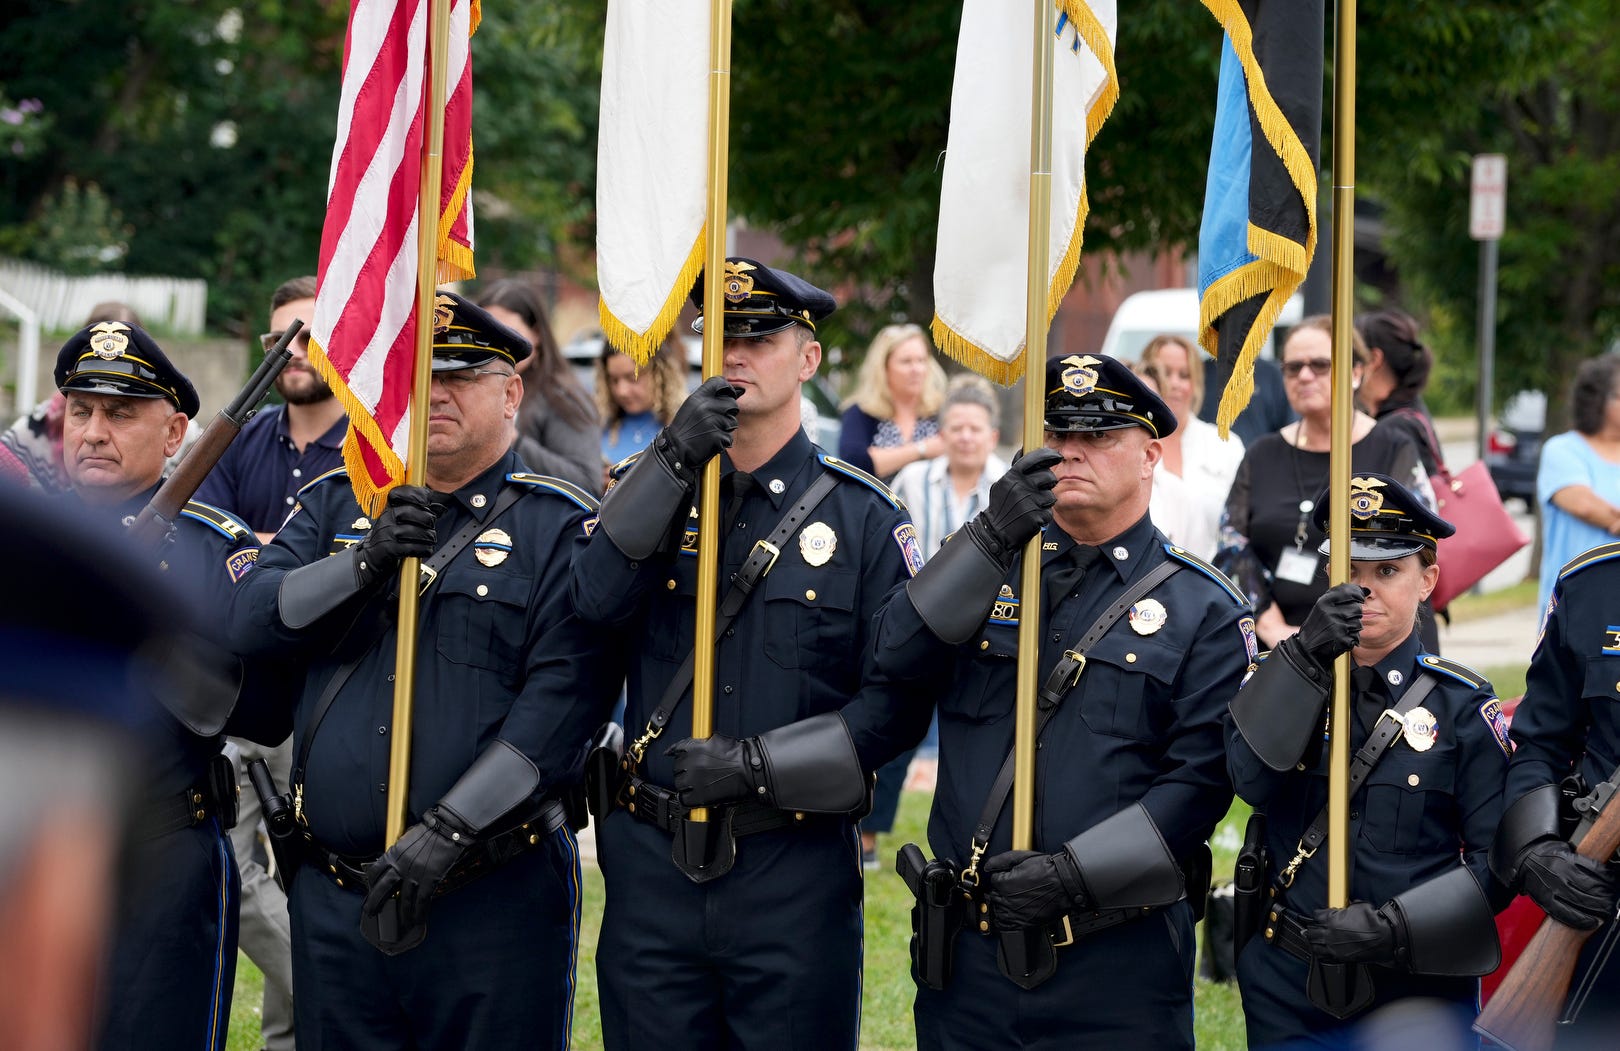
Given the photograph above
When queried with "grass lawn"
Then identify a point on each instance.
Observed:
(886, 1007)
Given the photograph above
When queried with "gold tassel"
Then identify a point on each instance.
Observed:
(641, 346)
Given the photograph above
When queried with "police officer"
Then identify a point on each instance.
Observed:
(1566, 734)
(752, 937)
(1130, 777)
(174, 959)
(1431, 752)
(504, 702)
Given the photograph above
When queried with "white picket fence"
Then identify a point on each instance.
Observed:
(169, 304)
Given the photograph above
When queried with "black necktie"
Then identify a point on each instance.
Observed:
(740, 483)
(1064, 575)
(1368, 695)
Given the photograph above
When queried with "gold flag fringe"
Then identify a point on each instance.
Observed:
(366, 493)
(641, 346)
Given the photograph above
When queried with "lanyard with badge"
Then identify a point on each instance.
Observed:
(1297, 565)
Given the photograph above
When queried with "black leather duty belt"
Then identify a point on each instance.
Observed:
(1285, 929)
(659, 807)
(214, 796)
(350, 872)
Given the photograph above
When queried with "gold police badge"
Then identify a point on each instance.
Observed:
(1080, 378)
(109, 340)
(738, 285)
(1365, 499)
(1147, 616)
(444, 312)
(817, 542)
(492, 547)
(1421, 729)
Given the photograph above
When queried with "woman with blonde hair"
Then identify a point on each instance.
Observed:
(890, 419)
(1194, 451)
(636, 402)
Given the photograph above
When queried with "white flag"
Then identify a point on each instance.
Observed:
(980, 282)
(651, 167)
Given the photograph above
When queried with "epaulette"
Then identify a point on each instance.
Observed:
(1461, 672)
(1589, 558)
(1187, 558)
(318, 479)
(218, 519)
(567, 490)
(871, 481)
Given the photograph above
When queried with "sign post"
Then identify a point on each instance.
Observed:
(1487, 215)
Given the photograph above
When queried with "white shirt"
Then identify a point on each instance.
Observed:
(925, 486)
(1188, 509)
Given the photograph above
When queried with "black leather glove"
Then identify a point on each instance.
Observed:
(1574, 890)
(413, 868)
(717, 769)
(1020, 504)
(702, 426)
(1026, 888)
(1333, 626)
(404, 530)
(1357, 933)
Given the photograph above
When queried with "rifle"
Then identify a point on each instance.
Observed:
(1523, 1015)
(152, 525)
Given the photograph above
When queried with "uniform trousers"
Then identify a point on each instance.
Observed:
(168, 985)
(496, 970)
(766, 957)
(1128, 986)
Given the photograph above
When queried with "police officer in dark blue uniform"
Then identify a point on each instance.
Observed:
(505, 701)
(751, 938)
(1130, 776)
(1431, 752)
(1566, 734)
(169, 982)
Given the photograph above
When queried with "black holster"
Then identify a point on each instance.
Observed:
(937, 916)
(604, 770)
(1250, 875)
(286, 845)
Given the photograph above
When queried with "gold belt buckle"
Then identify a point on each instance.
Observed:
(1068, 933)
(774, 551)
(1080, 662)
(426, 578)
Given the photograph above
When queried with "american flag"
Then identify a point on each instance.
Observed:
(363, 336)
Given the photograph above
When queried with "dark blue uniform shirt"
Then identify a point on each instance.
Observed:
(499, 653)
(1417, 810)
(797, 648)
(1143, 723)
(259, 476)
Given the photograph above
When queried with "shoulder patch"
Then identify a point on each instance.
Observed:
(1491, 712)
(871, 481)
(1251, 641)
(1603, 553)
(1187, 558)
(318, 479)
(910, 550)
(218, 519)
(1451, 669)
(567, 490)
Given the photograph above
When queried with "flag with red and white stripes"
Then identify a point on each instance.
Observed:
(363, 337)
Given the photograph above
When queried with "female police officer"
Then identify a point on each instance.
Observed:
(1426, 794)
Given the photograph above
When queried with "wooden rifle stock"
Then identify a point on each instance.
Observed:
(151, 527)
(1523, 1015)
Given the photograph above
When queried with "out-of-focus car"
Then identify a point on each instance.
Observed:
(1513, 446)
(819, 403)
(1174, 311)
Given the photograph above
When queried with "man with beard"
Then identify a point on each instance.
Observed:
(281, 450)
(284, 447)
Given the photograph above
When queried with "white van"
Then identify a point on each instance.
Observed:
(1173, 311)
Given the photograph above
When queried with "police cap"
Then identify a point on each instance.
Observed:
(761, 300)
(1094, 392)
(111, 357)
(466, 336)
(1387, 520)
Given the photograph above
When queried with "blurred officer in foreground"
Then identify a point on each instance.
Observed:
(752, 938)
(76, 694)
(1566, 734)
(169, 984)
(1130, 776)
(506, 697)
(1430, 754)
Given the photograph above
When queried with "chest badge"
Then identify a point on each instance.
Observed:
(1421, 729)
(1147, 616)
(361, 523)
(817, 542)
(492, 547)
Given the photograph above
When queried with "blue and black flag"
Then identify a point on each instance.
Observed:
(1259, 228)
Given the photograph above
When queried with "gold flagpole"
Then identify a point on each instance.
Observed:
(1040, 221)
(714, 330)
(1344, 222)
(427, 222)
